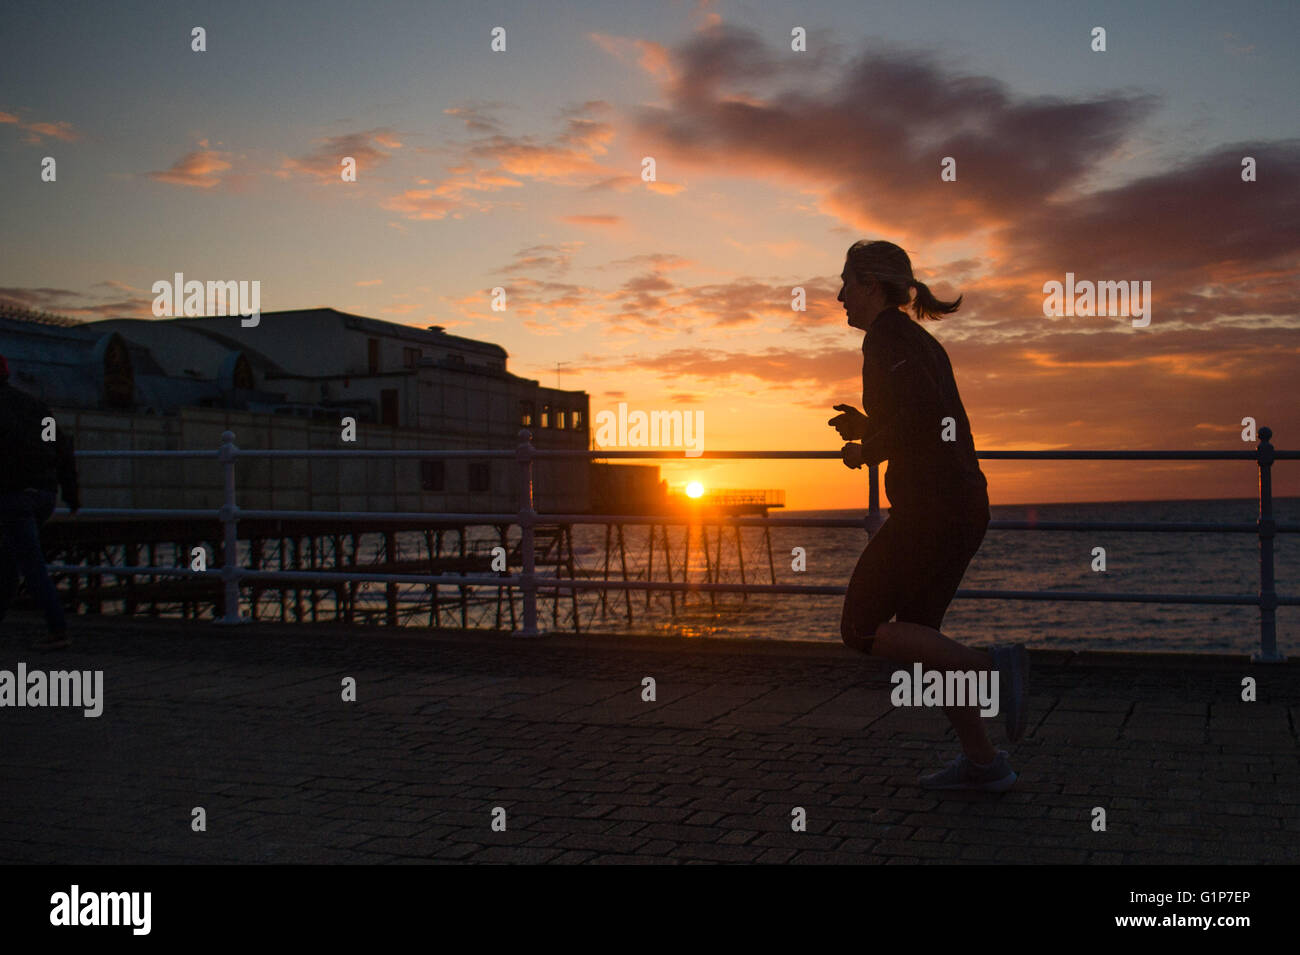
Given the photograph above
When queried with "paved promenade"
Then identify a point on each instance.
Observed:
(249, 723)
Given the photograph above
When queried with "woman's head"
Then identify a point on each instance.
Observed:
(878, 275)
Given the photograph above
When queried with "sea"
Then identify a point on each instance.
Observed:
(1143, 562)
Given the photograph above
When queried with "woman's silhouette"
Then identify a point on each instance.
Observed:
(939, 506)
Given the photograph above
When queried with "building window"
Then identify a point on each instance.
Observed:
(577, 420)
(119, 379)
(410, 357)
(546, 416)
(480, 477)
(242, 375)
(561, 418)
(433, 475)
(372, 355)
(388, 407)
(526, 411)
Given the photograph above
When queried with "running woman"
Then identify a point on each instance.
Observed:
(939, 505)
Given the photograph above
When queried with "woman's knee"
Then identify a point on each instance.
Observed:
(884, 633)
(856, 638)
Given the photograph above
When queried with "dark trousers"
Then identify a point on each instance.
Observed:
(911, 569)
(21, 515)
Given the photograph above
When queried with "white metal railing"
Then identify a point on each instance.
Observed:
(527, 518)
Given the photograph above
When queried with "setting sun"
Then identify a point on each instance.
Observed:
(695, 489)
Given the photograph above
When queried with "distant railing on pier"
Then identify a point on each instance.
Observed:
(526, 518)
(737, 497)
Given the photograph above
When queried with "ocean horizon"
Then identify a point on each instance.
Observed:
(1136, 562)
(1161, 500)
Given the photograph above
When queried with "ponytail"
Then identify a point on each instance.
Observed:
(925, 305)
(889, 265)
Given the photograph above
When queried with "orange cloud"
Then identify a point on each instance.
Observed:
(200, 169)
(482, 180)
(60, 130)
(557, 163)
(324, 164)
(555, 259)
(649, 56)
(420, 204)
(499, 162)
(593, 220)
(476, 116)
(1209, 366)
(665, 188)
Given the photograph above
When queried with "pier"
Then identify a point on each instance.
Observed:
(541, 537)
(692, 541)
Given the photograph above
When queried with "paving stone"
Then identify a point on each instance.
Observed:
(449, 726)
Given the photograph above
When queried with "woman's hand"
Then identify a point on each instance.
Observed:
(852, 455)
(851, 424)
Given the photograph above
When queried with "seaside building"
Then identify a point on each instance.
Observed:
(289, 382)
(301, 380)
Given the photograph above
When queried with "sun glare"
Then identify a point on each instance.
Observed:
(695, 489)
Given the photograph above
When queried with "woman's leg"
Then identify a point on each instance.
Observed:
(945, 552)
(907, 643)
(873, 591)
(886, 576)
(903, 642)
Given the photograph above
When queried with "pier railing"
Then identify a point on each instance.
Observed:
(527, 518)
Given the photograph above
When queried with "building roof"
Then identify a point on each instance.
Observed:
(185, 351)
(183, 361)
(373, 326)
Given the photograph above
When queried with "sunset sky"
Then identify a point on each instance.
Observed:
(522, 169)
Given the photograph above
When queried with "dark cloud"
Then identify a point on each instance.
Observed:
(67, 302)
(871, 143)
(867, 143)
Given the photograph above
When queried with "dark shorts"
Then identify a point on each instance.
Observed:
(911, 569)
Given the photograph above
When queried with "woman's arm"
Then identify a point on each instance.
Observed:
(899, 395)
(850, 422)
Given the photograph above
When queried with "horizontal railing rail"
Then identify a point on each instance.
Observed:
(528, 519)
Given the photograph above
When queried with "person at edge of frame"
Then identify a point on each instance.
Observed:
(34, 470)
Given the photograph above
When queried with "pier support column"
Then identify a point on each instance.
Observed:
(229, 514)
(527, 528)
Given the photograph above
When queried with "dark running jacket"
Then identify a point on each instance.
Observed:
(907, 390)
(25, 460)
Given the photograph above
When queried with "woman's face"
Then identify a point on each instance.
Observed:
(858, 299)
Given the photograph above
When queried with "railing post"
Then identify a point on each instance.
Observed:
(1267, 528)
(527, 523)
(874, 520)
(230, 570)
